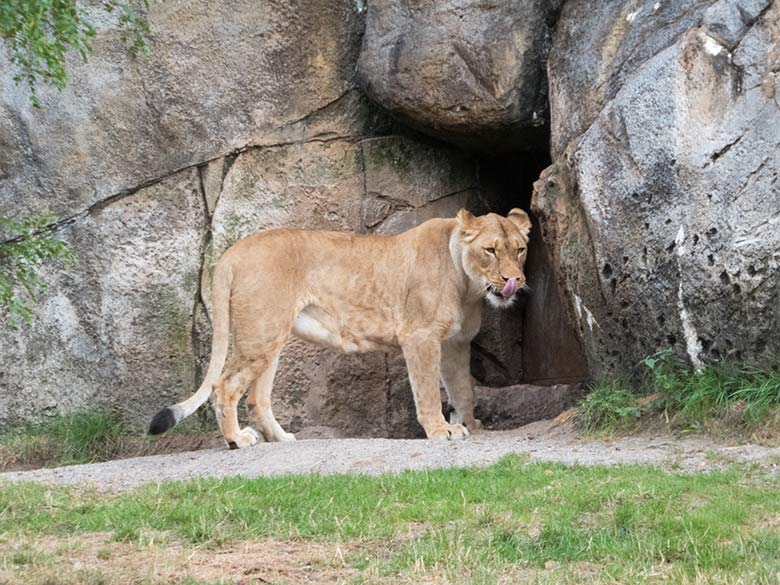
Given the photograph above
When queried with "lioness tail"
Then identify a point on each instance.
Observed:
(169, 416)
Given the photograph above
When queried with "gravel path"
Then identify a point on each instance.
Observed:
(373, 456)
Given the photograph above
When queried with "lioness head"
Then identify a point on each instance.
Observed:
(494, 250)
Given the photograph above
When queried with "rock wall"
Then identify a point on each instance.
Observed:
(660, 211)
(117, 329)
(246, 116)
(662, 207)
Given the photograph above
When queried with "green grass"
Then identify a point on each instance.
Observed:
(608, 406)
(718, 390)
(613, 525)
(90, 436)
(82, 437)
(741, 398)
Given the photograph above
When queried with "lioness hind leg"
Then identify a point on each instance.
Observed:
(227, 392)
(258, 403)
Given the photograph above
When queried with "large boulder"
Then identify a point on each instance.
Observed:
(595, 51)
(662, 208)
(466, 71)
(515, 406)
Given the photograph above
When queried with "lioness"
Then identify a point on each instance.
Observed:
(421, 290)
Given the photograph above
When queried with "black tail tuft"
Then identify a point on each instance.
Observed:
(162, 421)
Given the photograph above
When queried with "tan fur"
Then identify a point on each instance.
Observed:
(421, 290)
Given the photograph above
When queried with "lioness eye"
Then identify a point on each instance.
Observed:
(491, 251)
(521, 251)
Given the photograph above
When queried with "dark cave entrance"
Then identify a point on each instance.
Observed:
(533, 342)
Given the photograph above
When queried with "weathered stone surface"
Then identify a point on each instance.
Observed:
(551, 349)
(314, 185)
(663, 214)
(595, 51)
(408, 182)
(514, 406)
(205, 91)
(467, 71)
(497, 351)
(116, 330)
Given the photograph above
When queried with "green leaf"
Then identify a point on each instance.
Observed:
(26, 246)
(40, 33)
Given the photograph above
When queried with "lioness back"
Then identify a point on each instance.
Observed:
(346, 291)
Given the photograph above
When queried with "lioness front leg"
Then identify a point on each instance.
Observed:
(456, 375)
(423, 356)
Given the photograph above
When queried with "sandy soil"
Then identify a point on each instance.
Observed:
(541, 441)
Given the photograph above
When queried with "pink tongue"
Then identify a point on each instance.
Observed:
(509, 288)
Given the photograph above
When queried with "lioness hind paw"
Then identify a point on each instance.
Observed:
(471, 423)
(246, 438)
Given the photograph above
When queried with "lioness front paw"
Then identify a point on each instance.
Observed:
(457, 432)
(471, 423)
(246, 438)
(449, 432)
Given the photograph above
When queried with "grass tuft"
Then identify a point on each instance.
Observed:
(609, 406)
(721, 394)
(82, 437)
(89, 437)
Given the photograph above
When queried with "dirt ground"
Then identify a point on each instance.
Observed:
(542, 440)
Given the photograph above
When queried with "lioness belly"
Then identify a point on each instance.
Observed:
(315, 325)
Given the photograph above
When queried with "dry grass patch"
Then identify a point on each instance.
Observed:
(767, 432)
(97, 558)
(40, 452)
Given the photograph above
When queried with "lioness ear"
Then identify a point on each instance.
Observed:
(521, 220)
(466, 223)
(464, 217)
